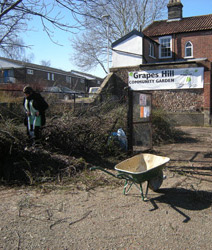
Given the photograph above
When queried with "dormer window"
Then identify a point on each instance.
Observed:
(151, 50)
(165, 49)
(189, 49)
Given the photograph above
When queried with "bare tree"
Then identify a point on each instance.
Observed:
(119, 17)
(15, 14)
(46, 63)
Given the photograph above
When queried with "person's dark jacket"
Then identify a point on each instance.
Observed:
(38, 103)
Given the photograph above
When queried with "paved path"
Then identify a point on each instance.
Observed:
(193, 156)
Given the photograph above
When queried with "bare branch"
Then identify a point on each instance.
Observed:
(125, 15)
(11, 7)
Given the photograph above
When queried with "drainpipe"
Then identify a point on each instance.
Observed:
(142, 50)
(174, 58)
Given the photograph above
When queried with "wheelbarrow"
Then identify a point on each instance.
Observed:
(139, 169)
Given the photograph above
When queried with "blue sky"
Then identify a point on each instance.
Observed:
(60, 56)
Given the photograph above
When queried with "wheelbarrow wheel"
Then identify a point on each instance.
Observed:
(156, 182)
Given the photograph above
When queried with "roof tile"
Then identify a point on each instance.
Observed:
(189, 24)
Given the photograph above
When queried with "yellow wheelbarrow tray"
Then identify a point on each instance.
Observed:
(139, 169)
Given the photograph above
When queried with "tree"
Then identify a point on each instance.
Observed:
(46, 63)
(15, 14)
(120, 17)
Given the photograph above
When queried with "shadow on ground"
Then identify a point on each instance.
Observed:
(178, 198)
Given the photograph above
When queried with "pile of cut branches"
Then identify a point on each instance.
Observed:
(71, 142)
(85, 134)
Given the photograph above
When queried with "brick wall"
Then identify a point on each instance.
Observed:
(177, 101)
(202, 45)
(147, 58)
(201, 41)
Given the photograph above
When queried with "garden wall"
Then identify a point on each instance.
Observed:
(185, 107)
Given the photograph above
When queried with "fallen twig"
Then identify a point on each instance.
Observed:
(71, 223)
(19, 240)
(83, 217)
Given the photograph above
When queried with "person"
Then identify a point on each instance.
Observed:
(35, 107)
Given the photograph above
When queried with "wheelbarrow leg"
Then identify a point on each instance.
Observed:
(144, 197)
(126, 190)
(125, 186)
(147, 187)
(141, 190)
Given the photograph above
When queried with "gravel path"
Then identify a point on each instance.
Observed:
(178, 217)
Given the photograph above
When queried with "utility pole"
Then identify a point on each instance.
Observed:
(107, 18)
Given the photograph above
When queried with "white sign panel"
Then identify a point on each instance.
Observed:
(142, 100)
(184, 78)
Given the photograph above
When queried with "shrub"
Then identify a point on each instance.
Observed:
(163, 131)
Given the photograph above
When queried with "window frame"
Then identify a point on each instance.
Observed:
(160, 47)
(191, 48)
(68, 79)
(30, 72)
(151, 50)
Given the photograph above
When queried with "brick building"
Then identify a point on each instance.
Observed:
(15, 72)
(178, 45)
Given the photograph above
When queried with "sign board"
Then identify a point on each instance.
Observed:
(142, 100)
(183, 78)
(144, 112)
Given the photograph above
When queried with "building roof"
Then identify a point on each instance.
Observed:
(22, 64)
(188, 24)
(85, 75)
(132, 33)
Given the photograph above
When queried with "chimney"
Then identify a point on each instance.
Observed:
(175, 9)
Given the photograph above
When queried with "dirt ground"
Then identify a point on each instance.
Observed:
(177, 217)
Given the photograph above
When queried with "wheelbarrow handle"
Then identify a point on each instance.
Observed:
(126, 177)
(102, 169)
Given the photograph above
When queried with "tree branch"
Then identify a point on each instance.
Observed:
(11, 7)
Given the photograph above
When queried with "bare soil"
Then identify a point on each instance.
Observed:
(76, 216)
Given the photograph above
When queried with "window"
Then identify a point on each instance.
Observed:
(10, 72)
(30, 71)
(188, 49)
(151, 50)
(82, 80)
(50, 76)
(165, 47)
(68, 79)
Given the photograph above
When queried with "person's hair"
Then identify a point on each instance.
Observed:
(28, 90)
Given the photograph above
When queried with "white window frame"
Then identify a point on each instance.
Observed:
(48, 76)
(30, 71)
(189, 47)
(151, 50)
(160, 47)
(52, 77)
